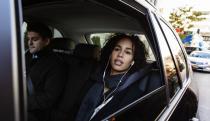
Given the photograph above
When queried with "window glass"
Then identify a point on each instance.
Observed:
(56, 33)
(151, 56)
(24, 25)
(100, 38)
(170, 70)
(176, 50)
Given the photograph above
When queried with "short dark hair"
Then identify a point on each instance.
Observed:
(140, 52)
(40, 28)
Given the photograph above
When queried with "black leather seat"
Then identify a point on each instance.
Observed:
(63, 47)
(62, 44)
(81, 64)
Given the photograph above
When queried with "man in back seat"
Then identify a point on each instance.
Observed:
(46, 74)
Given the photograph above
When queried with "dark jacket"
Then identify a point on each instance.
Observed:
(131, 88)
(94, 97)
(48, 76)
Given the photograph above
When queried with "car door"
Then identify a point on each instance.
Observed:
(12, 96)
(178, 75)
(186, 100)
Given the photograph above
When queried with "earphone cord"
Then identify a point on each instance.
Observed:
(105, 97)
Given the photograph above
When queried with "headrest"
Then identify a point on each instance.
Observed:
(62, 45)
(87, 51)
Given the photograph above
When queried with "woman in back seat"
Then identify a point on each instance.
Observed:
(122, 55)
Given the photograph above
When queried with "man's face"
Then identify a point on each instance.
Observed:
(36, 42)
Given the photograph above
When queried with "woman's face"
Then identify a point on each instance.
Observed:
(122, 56)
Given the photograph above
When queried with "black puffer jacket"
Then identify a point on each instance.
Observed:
(48, 76)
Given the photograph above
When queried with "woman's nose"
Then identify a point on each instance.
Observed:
(120, 54)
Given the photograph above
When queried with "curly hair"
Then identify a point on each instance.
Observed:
(140, 52)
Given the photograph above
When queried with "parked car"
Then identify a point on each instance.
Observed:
(80, 24)
(200, 60)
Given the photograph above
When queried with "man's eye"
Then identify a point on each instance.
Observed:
(35, 39)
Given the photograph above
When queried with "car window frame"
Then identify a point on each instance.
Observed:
(13, 96)
(182, 50)
(158, 18)
(166, 114)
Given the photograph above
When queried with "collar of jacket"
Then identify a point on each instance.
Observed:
(41, 53)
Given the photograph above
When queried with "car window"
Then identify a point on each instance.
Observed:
(99, 38)
(56, 33)
(176, 51)
(150, 56)
(168, 63)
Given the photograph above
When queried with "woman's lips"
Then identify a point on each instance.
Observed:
(118, 62)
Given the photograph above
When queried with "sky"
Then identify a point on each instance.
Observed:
(197, 4)
(169, 5)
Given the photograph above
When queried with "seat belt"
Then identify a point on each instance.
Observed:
(30, 86)
(136, 76)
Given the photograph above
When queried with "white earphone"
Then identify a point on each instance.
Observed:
(132, 63)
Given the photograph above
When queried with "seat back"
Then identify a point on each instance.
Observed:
(154, 80)
(87, 51)
(62, 45)
(81, 65)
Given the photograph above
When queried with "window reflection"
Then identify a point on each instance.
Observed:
(180, 63)
(168, 64)
(171, 75)
(176, 51)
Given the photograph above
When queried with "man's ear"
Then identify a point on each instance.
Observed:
(47, 41)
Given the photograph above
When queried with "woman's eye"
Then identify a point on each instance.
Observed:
(116, 49)
(128, 52)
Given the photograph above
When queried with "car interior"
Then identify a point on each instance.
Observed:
(82, 34)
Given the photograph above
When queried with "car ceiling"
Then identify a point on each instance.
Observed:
(72, 21)
(92, 16)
